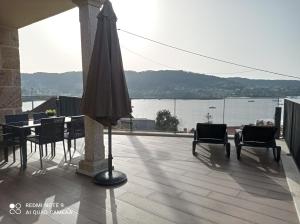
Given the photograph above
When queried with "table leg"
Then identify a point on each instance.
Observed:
(24, 150)
(6, 153)
(69, 147)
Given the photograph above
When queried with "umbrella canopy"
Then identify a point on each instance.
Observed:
(105, 97)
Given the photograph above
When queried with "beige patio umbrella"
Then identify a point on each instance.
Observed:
(105, 97)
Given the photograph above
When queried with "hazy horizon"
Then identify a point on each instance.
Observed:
(263, 34)
(32, 73)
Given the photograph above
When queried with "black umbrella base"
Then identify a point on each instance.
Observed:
(105, 179)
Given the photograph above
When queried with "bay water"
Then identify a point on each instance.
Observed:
(232, 111)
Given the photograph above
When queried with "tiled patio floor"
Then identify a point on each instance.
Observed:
(166, 184)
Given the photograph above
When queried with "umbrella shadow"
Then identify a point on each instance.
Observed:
(137, 144)
(113, 206)
(105, 205)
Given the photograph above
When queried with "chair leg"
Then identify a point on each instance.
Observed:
(277, 155)
(14, 153)
(41, 155)
(64, 150)
(74, 147)
(51, 147)
(34, 147)
(227, 149)
(194, 147)
(236, 139)
(21, 157)
(31, 147)
(6, 153)
(46, 150)
(42, 147)
(69, 144)
(69, 148)
(238, 151)
(54, 148)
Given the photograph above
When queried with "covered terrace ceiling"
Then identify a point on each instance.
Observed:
(20, 13)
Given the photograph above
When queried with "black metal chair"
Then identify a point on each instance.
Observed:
(38, 116)
(50, 132)
(257, 136)
(75, 130)
(15, 118)
(213, 134)
(4, 147)
(37, 119)
(10, 137)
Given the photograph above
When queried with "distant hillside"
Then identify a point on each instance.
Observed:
(69, 84)
(165, 84)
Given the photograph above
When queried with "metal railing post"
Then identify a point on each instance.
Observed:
(224, 110)
(174, 107)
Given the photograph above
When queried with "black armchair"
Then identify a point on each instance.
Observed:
(75, 130)
(38, 116)
(4, 147)
(15, 118)
(50, 132)
(257, 136)
(211, 133)
(37, 119)
(10, 137)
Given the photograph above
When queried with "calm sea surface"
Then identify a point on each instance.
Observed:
(235, 111)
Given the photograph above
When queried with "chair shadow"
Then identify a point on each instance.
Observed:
(147, 153)
(79, 200)
(255, 162)
(88, 201)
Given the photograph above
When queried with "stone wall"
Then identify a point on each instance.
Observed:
(10, 79)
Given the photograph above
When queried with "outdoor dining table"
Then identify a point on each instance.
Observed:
(20, 129)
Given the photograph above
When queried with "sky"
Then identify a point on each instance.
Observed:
(258, 33)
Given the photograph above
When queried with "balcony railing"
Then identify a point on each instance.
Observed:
(291, 128)
(232, 111)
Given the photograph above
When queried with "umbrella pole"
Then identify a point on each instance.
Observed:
(109, 151)
(110, 177)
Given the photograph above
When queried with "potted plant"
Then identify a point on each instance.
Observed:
(50, 112)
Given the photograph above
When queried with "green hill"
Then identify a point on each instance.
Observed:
(164, 84)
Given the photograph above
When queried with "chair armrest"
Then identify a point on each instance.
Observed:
(195, 135)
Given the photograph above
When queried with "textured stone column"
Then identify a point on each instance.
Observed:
(94, 160)
(10, 82)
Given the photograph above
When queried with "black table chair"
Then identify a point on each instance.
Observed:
(75, 130)
(257, 136)
(10, 137)
(50, 132)
(38, 116)
(4, 147)
(16, 118)
(37, 119)
(11, 140)
(213, 134)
